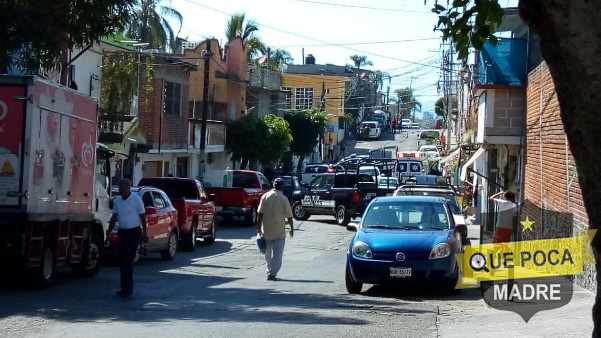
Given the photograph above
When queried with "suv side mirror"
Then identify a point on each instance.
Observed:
(212, 198)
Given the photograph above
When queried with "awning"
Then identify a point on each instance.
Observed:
(469, 162)
(451, 156)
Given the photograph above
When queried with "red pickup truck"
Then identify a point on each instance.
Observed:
(195, 208)
(241, 200)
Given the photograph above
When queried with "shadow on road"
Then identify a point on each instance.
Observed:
(421, 293)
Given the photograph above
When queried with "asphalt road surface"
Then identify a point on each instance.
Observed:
(220, 290)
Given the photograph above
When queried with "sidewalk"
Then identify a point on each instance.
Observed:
(477, 319)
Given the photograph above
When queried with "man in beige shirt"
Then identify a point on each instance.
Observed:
(274, 209)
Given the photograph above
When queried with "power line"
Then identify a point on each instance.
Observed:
(356, 43)
(362, 7)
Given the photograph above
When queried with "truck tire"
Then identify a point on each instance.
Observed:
(189, 239)
(211, 238)
(251, 217)
(169, 253)
(342, 216)
(91, 257)
(42, 276)
(299, 212)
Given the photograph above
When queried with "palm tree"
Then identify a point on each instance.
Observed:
(407, 101)
(149, 24)
(237, 28)
(361, 60)
(379, 76)
(280, 56)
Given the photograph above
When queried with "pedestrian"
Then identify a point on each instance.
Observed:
(507, 216)
(274, 209)
(342, 149)
(393, 125)
(128, 209)
(331, 150)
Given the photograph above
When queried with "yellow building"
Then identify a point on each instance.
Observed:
(305, 91)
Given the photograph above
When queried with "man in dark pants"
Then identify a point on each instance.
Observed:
(128, 209)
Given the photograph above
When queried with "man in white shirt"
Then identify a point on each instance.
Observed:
(128, 209)
(506, 217)
(274, 209)
(331, 150)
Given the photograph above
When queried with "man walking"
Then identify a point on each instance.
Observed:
(393, 125)
(128, 209)
(331, 150)
(507, 213)
(274, 209)
(342, 149)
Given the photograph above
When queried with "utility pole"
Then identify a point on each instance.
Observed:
(450, 106)
(206, 55)
(388, 101)
(322, 106)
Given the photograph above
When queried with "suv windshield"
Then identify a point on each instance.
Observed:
(429, 134)
(406, 216)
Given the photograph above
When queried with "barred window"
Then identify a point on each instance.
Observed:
(288, 94)
(172, 99)
(304, 98)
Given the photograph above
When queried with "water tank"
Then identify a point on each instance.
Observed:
(310, 59)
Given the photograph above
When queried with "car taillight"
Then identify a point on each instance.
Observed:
(330, 170)
(355, 197)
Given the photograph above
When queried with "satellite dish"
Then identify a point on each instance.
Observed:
(283, 67)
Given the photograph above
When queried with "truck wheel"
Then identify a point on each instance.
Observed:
(211, 239)
(342, 216)
(189, 239)
(171, 249)
(42, 276)
(352, 287)
(251, 217)
(299, 212)
(91, 258)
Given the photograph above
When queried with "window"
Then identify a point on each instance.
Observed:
(172, 99)
(147, 200)
(158, 201)
(244, 180)
(288, 93)
(296, 182)
(304, 98)
(408, 215)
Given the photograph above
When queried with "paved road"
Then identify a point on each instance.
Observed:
(221, 291)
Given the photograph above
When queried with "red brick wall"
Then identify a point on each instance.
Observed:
(549, 165)
(173, 130)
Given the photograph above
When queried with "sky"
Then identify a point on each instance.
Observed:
(397, 36)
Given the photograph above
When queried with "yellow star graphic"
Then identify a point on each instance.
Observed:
(527, 224)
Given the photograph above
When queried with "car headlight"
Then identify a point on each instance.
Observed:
(362, 250)
(440, 250)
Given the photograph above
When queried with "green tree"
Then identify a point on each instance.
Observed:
(34, 33)
(306, 127)
(568, 32)
(439, 107)
(407, 101)
(361, 61)
(150, 24)
(247, 31)
(280, 56)
(379, 77)
(277, 141)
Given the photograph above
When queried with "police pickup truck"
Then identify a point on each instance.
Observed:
(344, 193)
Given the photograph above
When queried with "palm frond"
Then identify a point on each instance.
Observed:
(169, 12)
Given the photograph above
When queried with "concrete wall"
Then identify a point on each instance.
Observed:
(508, 112)
(551, 185)
(88, 72)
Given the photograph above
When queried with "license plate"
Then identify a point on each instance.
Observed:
(400, 272)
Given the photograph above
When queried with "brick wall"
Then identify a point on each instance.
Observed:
(172, 131)
(550, 200)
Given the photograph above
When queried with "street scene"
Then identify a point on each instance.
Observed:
(187, 168)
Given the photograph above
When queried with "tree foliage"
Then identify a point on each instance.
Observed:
(360, 61)
(439, 107)
(237, 26)
(34, 33)
(407, 101)
(279, 57)
(150, 24)
(469, 24)
(305, 127)
(251, 139)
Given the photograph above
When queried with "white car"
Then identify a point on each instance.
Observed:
(430, 151)
(406, 123)
(313, 170)
(370, 170)
(374, 129)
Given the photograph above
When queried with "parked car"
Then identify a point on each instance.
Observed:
(431, 151)
(195, 209)
(428, 137)
(343, 195)
(372, 170)
(406, 123)
(313, 170)
(161, 224)
(404, 239)
(374, 128)
(443, 191)
(293, 188)
(415, 125)
(240, 201)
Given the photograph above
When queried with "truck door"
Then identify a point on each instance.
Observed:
(320, 199)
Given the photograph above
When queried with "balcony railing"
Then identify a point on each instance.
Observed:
(505, 63)
(263, 78)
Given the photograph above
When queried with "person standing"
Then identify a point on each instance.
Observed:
(331, 150)
(507, 216)
(274, 209)
(342, 149)
(128, 209)
(393, 125)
